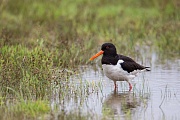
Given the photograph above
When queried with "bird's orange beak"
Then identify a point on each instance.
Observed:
(96, 55)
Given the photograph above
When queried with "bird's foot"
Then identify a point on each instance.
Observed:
(130, 87)
(115, 90)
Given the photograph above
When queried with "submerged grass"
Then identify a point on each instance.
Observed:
(40, 37)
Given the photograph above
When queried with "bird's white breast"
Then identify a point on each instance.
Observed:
(115, 72)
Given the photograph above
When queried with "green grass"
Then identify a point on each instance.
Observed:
(40, 37)
(26, 110)
(25, 71)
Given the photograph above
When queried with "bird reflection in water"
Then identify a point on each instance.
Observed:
(121, 103)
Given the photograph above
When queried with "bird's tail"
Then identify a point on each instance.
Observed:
(147, 68)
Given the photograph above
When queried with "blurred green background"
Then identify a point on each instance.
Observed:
(61, 23)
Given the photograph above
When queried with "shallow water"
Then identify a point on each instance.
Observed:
(155, 94)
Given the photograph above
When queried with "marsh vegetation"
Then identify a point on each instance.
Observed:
(45, 46)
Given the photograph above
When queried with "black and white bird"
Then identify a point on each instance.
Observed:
(118, 67)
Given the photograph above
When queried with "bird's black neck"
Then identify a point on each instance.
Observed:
(110, 59)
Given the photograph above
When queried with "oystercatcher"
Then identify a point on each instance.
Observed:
(118, 67)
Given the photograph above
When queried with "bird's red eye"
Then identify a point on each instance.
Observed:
(107, 47)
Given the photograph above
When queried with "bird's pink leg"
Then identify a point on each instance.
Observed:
(115, 85)
(130, 86)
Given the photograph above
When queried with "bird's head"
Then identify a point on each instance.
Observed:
(107, 49)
